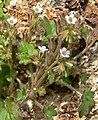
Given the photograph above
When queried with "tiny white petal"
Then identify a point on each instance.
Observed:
(67, 17)
(29, 103)
(74, 20)
(39, 47)
(66, 56)
(71, 15)
(42, 48)
(64, 49)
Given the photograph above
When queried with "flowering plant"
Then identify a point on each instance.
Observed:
(41, 55)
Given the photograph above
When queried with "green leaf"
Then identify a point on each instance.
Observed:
(84, 78)
(87, 103)
(9, 110)
(65, 78)
(6, 2)
(2, 15)
(51, 77)
(53, 27)
(5, 74)
(1, 5)
(31, 50)
(84, 31)
(47, 26)
(24, 58)
(50, 112)
(45, 39)
(50, 27)
(28, 49)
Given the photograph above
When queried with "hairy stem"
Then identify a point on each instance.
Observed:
(70, 87)
(45, 73)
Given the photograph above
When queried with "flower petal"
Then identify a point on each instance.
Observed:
(64, 49)
(42, 48)
(68, 52)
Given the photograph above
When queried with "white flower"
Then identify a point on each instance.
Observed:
(64, 52)
(38, 8)
(42, 48)
(29, 103)
(71, 19)
(13, 2)
(12, 20)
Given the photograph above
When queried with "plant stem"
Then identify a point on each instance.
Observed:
(38, 104)
(70, 87)
(10, 61)
(54, 62)
(31, 72)
(45, 73)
